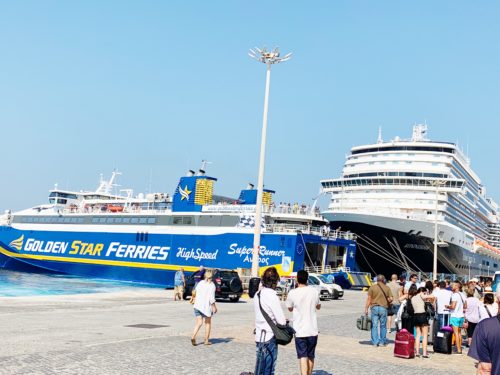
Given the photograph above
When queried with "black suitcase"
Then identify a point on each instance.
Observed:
(442, 342)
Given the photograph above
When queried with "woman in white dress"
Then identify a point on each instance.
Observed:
(204, 307)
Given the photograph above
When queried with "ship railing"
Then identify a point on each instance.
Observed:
(106, 210)
(326, 269)
(6, 219)
(319, 231)
(266, 209)
(397, 213)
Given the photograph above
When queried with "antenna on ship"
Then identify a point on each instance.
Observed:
(202, 169)
(379, 139)
(419, 133)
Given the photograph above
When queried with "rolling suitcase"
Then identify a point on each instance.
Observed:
(364, 323)
(443, 341)
(405, 344)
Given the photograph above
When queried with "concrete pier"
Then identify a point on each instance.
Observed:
(143, 331)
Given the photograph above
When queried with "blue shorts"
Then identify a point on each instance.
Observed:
(306, 346)
(456, 322)
(199, 313)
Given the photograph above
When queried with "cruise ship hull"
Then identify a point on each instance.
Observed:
(385, 250)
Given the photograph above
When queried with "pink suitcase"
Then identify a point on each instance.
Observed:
(405, 345)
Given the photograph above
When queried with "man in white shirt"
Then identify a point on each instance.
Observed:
(443, 298)
(412, 281)
(304, 301)
(457, 314)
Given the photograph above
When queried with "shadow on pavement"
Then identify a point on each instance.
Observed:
(321, 372)
(368, 342)
(221, 340)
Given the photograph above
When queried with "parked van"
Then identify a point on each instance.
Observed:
(335, 291)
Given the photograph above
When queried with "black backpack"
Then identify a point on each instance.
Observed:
(409, 308)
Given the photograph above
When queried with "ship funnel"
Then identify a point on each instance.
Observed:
(250, 186)
(190, 173)
(201, 172)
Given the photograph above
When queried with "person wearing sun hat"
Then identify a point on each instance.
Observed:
(478, 291)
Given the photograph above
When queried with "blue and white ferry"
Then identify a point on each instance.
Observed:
(146, 238)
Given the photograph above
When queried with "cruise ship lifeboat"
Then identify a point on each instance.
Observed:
(112, 208)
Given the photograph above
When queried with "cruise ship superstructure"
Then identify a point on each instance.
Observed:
(394, 194)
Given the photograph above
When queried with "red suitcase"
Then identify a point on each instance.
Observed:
(405, 345)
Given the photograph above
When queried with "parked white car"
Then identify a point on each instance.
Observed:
(335, 291)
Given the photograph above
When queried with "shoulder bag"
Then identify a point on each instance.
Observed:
(487, 310)
(282, 332)
(390, 311)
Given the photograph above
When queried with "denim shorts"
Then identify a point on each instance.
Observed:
(306, 346)
(199, 313)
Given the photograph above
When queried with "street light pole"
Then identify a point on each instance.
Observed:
(269, 58)
(436, 183)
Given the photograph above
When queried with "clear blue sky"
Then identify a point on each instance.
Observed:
(153, 87)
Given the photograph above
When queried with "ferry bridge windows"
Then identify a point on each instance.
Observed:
(183, 220)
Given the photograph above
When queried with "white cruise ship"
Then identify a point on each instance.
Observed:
(394, 194)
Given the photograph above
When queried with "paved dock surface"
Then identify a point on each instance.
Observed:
(143, 331)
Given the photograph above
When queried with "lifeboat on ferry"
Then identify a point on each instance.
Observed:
(112, 208)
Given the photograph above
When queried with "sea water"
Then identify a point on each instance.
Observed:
(15, 284)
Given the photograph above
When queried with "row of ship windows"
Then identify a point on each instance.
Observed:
(403, 148)
(176, 220)
(95, 220)
(484, 263)
(395, 162)
(387, 181)
(399, 155)
(404, 174)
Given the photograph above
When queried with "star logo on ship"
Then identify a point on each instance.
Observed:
(184, 193)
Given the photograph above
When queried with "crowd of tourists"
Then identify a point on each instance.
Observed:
(425, 308)
(420, 307)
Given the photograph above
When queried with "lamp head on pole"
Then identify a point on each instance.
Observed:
(268, 57)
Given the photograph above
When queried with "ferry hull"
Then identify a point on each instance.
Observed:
(151, 258)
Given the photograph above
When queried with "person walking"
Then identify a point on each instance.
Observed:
(267, 348)
(204, 307)
(397, 292)
(304, 302)
(179, 284)
(457, 316)
(378, 300)
(421, 319)
(472, 313)
(485, 346)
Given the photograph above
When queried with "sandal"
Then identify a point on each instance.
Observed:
(193, 342)
(425, 356)
(208, 343)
